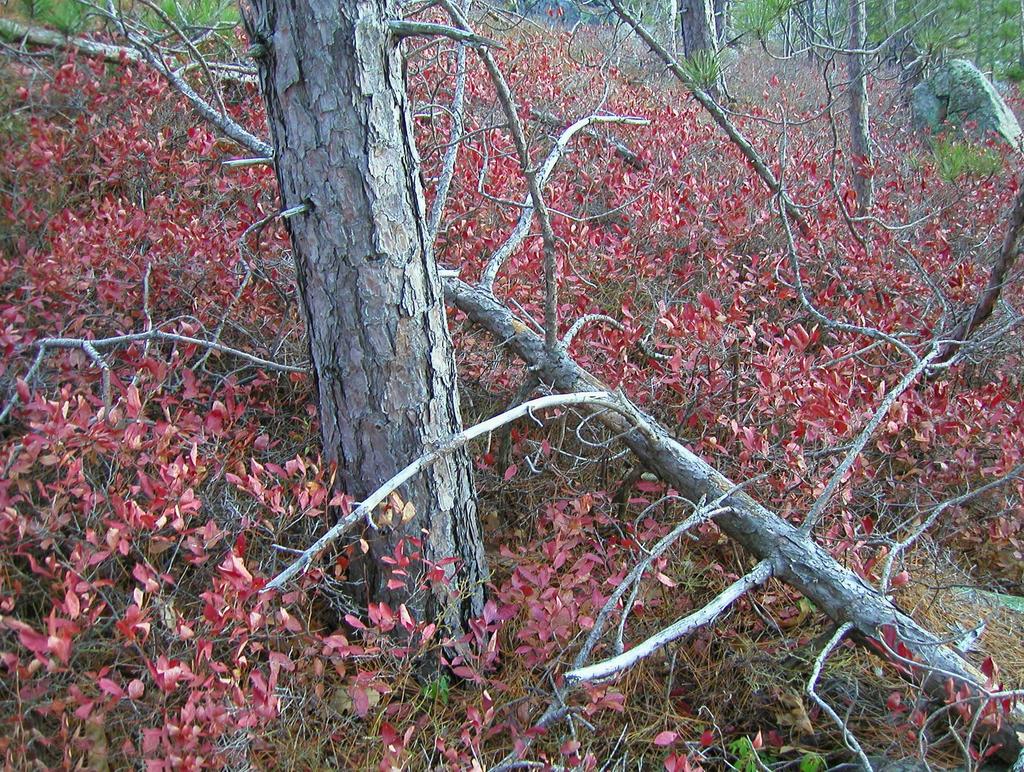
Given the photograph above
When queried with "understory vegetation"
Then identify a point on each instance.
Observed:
(150, 488)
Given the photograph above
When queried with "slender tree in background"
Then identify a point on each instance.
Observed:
(721, 20)
(860, 135)
(808, 28)
(1020, 29)
(368, 285)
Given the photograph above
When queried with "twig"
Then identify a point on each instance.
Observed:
(91, 349)
(937, 510)
(227, 125)
(239, 163)
(515, 125)
(145, 314)
(708, 103)
(819, 663)
(816, 510)
(451, 153)
(998, 277)
(583, 321)
(621, 150)
(257, 228)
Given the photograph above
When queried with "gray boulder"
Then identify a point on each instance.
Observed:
(959, 94)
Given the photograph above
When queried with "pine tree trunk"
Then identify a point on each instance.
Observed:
(860, 136)
(368, 285)
(697, 20)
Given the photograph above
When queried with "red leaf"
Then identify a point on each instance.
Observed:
(666, 738)
(111, 687)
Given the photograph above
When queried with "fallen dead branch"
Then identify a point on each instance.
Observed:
(16, 32)
(92, 348)
(794, 557)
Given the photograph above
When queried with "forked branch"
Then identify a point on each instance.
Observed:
(704, 616)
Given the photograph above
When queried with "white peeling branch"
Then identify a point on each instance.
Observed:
(708, 103)
(228, 126)
(16, 32)
(365, 508)
(632, 579)
(451, 153)
(900, 547)
(515, 126)
(543, 174)
(706, 615)
(583, 321)
(621, 150)
(240, 163)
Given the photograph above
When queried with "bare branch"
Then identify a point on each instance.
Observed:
(229, 127)
(621, 150)
(706, 615)
(508, 106)
(16, 32)
(522, 228)
(816, 510)
(998, 277)
(708, 103)
(451, 153)
(583, 321)
(92, 348)
(796, 559)
(819, 663)
(402, 29)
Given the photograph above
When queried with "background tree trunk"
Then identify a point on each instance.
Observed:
(368, 284)
(697, 23)
(722, 20)
(860, 134)
(1020, 19)
(807, 27)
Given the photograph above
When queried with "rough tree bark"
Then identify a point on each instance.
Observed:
(860, 133)
(368, 284)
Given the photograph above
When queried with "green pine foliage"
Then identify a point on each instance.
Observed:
(68, 16)
(759, 17)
